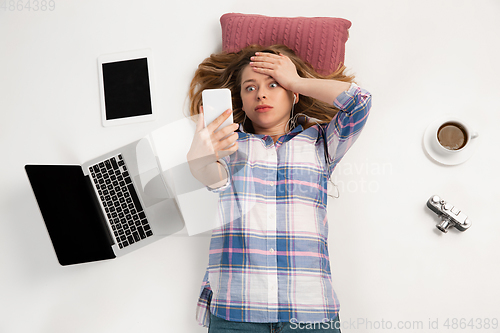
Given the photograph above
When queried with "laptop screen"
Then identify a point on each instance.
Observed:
(71, 213)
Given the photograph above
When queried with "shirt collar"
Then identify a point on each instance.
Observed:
(301, 120)
(268, 140)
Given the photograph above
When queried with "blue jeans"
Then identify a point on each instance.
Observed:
(219, 325)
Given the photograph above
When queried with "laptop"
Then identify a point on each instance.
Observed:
(107, 207)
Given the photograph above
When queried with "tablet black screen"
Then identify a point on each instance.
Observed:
(126, 89)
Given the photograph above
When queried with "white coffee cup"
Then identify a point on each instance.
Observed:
(452, 136)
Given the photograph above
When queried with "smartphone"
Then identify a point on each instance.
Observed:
(216, 101)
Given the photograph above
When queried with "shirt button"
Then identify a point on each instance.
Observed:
(271, 183)
(271, 250)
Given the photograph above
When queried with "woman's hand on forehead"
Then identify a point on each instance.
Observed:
(280, 67)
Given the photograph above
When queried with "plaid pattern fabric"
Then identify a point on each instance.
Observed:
(269, 261)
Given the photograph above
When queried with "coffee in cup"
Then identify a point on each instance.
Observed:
(453, 135)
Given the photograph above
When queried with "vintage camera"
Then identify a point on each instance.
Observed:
(450, 215)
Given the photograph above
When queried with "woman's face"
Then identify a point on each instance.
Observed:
(265, 102)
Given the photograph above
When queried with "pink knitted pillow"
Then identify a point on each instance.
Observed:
(320, 41)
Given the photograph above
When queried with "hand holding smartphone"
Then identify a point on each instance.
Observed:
(207, 148)
(216, 101)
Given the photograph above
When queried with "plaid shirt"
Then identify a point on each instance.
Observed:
(269, 261)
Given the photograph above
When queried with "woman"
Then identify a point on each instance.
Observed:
(269, 268)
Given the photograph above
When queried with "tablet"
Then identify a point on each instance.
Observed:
(126, 87)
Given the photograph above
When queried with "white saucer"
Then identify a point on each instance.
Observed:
(450, 159)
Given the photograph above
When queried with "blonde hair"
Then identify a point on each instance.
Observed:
(223, 70)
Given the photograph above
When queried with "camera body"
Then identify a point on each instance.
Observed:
(450, 215)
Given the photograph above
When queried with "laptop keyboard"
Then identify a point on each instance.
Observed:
(120, 201)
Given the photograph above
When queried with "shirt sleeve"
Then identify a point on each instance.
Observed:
(354, 106)
(224, 162)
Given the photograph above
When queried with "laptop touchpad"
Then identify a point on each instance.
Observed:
(149, 177)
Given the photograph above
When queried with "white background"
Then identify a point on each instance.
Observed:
(419, 59)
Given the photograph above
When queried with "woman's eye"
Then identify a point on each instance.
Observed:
(250, 88)
(273, 85)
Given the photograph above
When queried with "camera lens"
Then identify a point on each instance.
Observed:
(444, 225)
